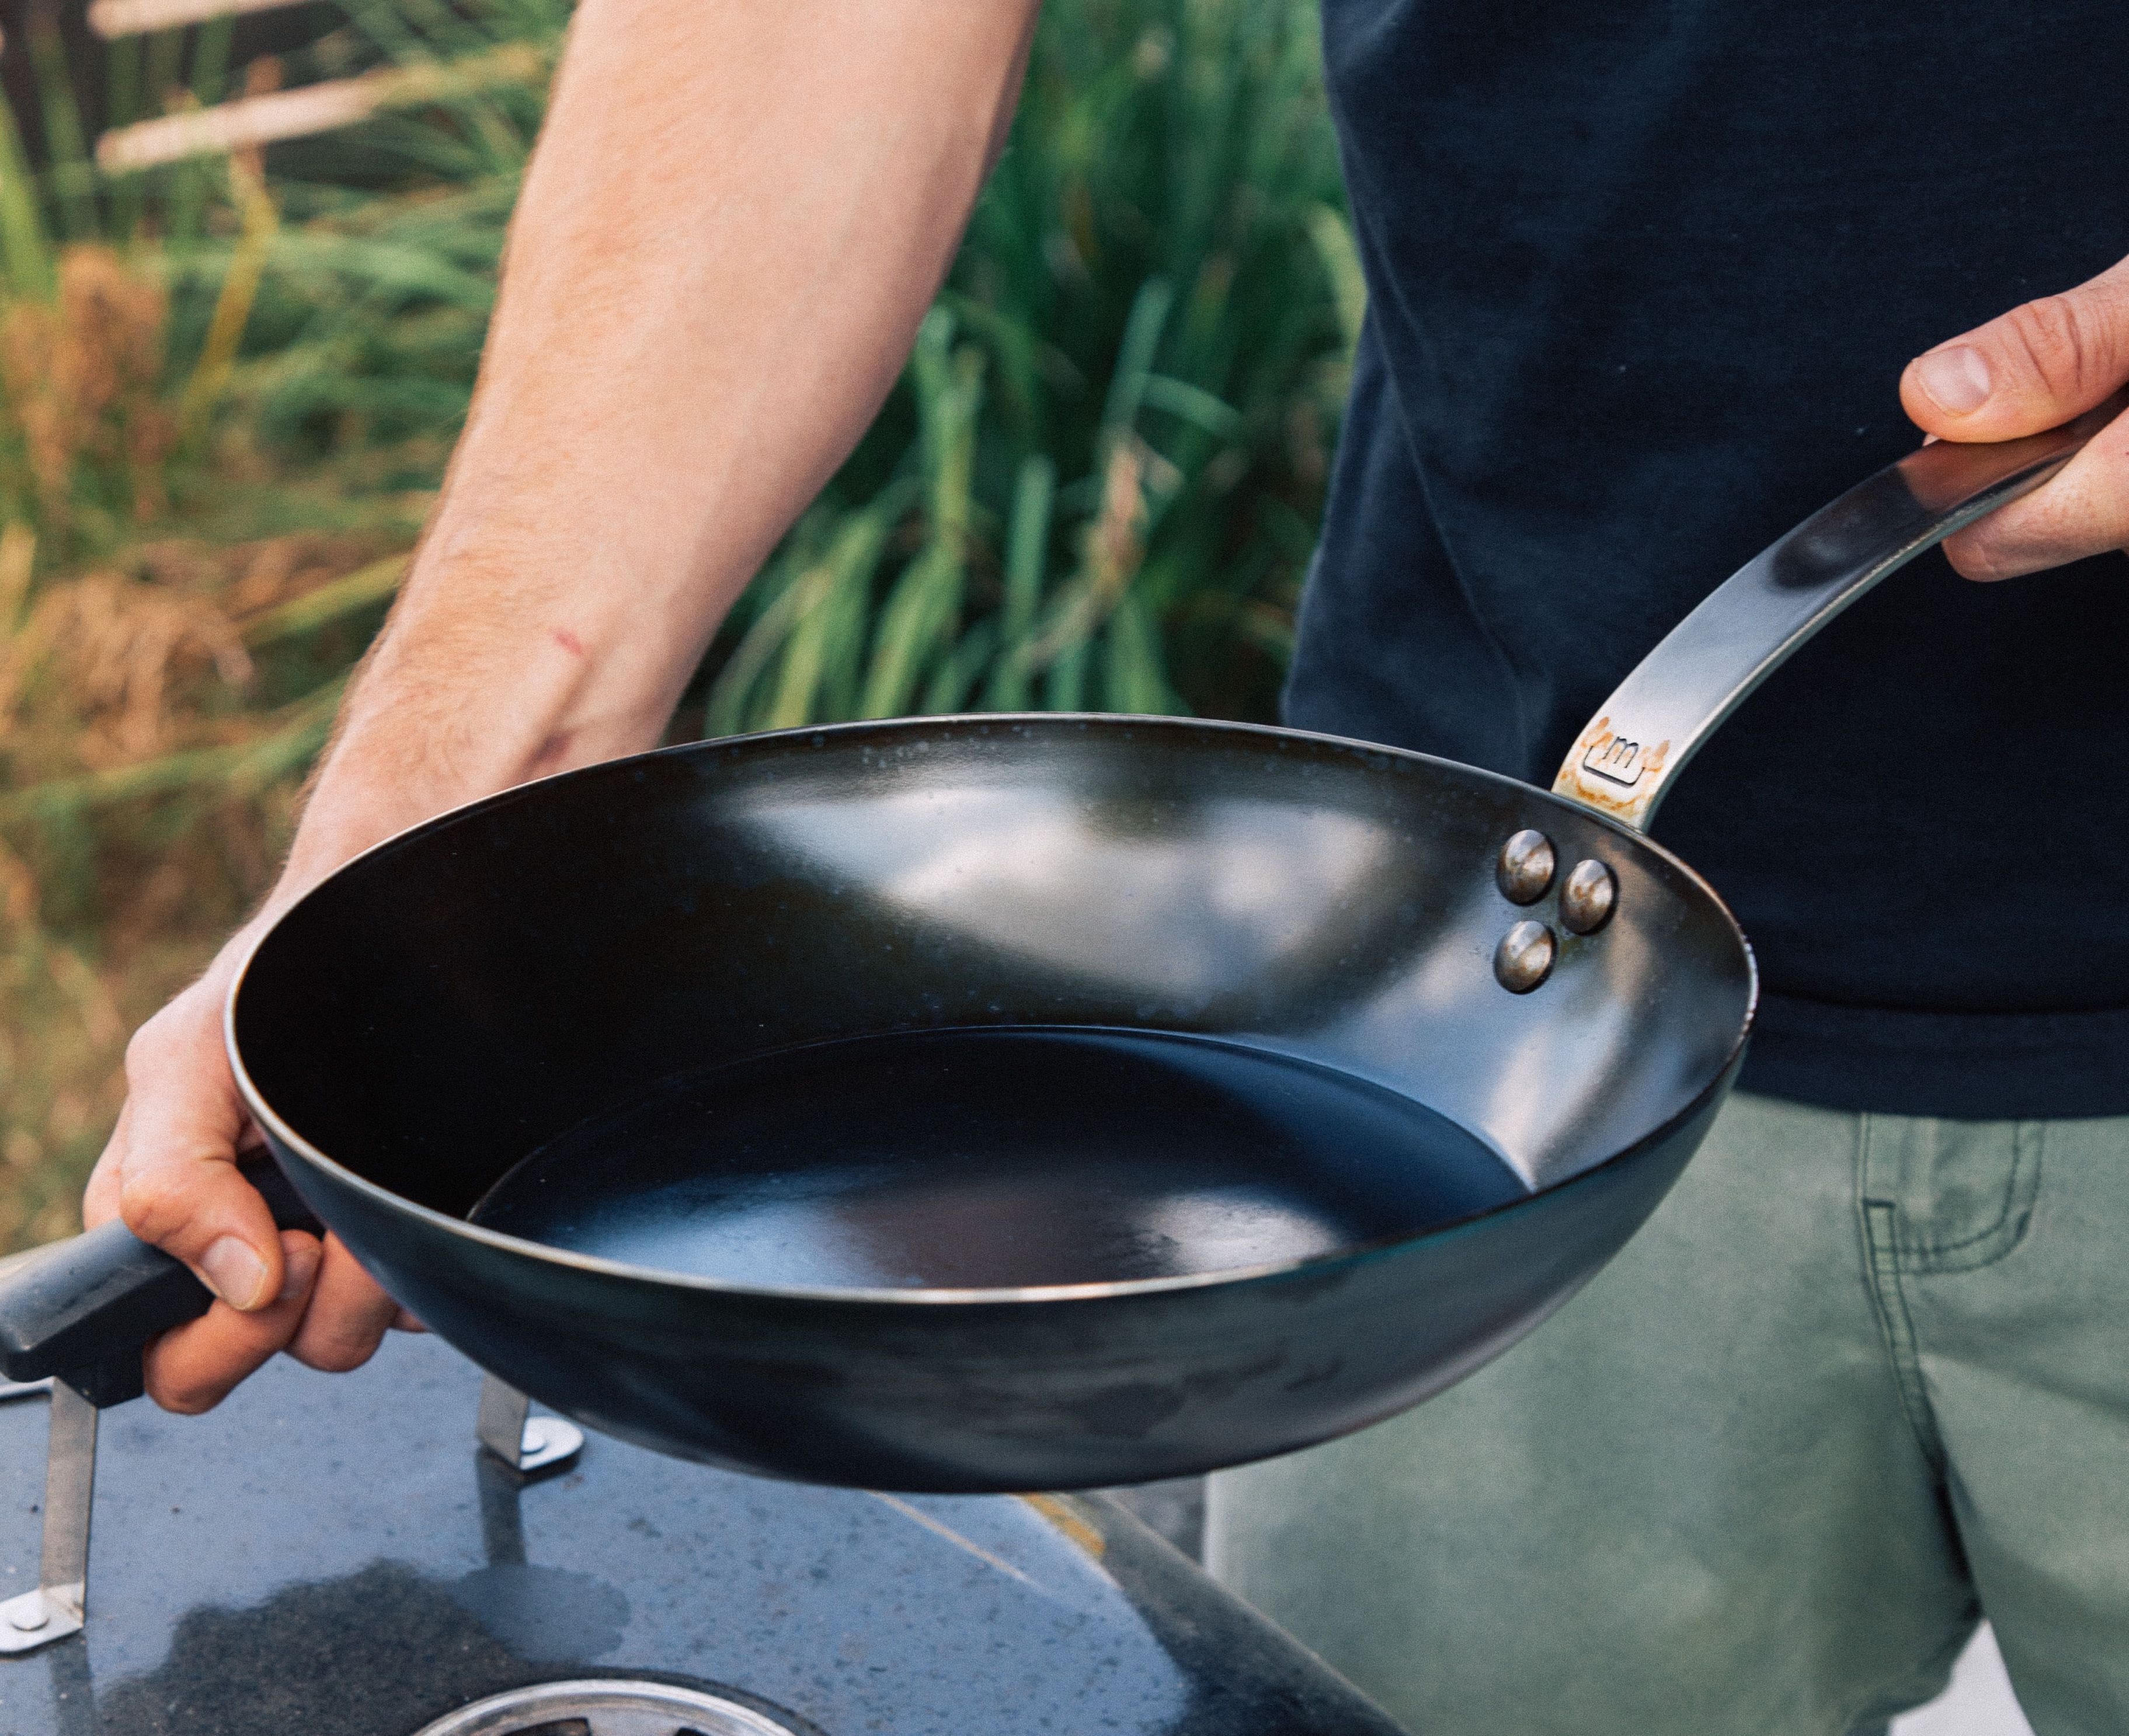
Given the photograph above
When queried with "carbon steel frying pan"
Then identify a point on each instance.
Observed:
(1569, 995)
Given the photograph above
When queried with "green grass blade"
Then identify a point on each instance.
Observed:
(73, 175)
(1193, 404)
(211, 47)
(1133, 678)
(238, 769)
(1142, 331)
(1333, 239)
(122, 81)
(361, 589)
(918, 616)
(958, 673)
(918, 622)
(1064, 685)
(845, 572)
(729, 707)
(164, 55)
(1027, 546)
(122, 97)
(23, 249)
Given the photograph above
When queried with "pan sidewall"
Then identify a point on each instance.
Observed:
(977, 1397)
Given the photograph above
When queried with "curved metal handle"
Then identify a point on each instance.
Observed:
(1677, 696)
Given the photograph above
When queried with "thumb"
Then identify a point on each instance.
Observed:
(2032, 369)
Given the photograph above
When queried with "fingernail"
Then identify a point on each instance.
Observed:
(1956, 379)
(234, 1273)
(298, 1267)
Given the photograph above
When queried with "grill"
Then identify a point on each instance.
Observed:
(411, 1550)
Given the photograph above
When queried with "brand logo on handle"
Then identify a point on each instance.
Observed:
(1613, 773)
(1616, 760)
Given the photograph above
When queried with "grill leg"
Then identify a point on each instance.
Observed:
(59, 1604)
(524, 1442)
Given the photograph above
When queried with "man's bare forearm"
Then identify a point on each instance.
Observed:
(735, 218)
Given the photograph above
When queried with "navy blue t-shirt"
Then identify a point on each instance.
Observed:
(1643, 278)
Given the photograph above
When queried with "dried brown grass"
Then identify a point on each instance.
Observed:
(141, 672)
(82, 375)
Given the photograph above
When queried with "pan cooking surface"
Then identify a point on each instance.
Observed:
(995, 1157)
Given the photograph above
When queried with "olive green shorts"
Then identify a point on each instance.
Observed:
(1860, 1379)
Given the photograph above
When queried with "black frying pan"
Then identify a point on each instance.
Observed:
(995, 1103)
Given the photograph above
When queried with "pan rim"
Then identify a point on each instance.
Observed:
(597, 1265)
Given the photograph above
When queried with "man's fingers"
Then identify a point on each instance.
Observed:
(194, 1368)
(175, 1155)
(2083, 511)
(2033, 368)
(349, 1316)
(170, 1173)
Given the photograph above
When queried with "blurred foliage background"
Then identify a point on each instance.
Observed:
(229, 384)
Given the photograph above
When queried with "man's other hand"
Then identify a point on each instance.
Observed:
(2032, 368)
(170, 1172)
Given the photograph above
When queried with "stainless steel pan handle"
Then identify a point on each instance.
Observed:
(1657, 720)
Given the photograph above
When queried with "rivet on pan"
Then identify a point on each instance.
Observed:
(1525, 869)
(1589, 898)
(1524, 958)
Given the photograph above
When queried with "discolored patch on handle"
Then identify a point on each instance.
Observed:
(1613, 773)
